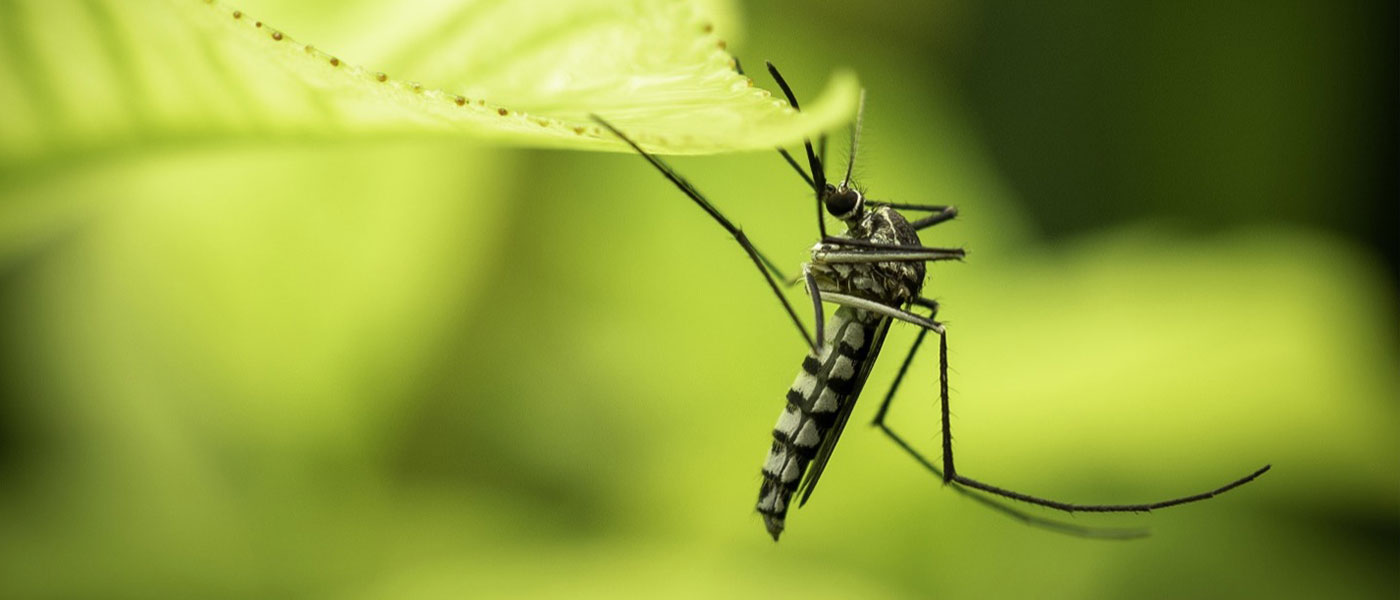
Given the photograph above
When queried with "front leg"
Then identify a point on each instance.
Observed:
(819, 315)
(881, 309)
(848, 250)
(940, 213)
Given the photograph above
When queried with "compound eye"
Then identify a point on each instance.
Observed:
(841, 203)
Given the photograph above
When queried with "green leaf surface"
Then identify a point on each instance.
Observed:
(98, 75)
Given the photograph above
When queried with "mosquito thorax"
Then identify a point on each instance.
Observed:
(843, 202)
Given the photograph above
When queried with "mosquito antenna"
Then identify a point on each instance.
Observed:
(855, 139)
(818, 175)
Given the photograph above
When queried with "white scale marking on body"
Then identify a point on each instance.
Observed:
(776, 459)
(826, 402)
(807, 438)
(843, 370)
(792, 471)
(769, 500)
(855, 337)
(804, 384)
(787, 423)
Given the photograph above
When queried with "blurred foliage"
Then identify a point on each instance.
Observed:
(96, 75)
(412, 366)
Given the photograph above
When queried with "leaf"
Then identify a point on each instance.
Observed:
(93, 75)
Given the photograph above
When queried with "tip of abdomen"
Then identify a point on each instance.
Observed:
(774, 523)
(772, 504)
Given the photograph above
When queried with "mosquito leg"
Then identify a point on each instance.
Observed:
(1067, 528)
(739, 68)
(818, 174)
(907, 254)
(881, 309)
(807, 178)
(1112, 533)
(837, 242)
(932, 305)
(816, 294)
(941, 213)
(951, 473)
(928, 303)
(761, 263)
(839, 249)
(773, 268)
(800, 171)
(894, 387)
(912, 206)
(946, 214)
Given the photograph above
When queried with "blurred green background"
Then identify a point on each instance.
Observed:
(401, 367)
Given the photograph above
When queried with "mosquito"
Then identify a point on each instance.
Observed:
(874, 273)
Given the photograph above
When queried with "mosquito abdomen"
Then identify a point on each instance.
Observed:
(815, 400)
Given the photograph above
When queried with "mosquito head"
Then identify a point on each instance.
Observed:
(843, 202)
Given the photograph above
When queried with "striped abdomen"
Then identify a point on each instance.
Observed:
(817, 398)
